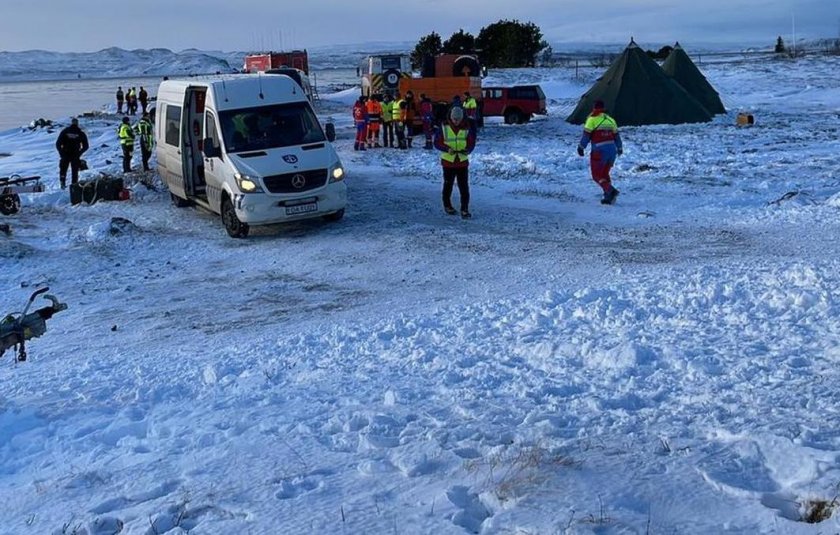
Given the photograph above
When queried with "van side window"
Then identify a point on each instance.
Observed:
(172, 124)
(211, 129)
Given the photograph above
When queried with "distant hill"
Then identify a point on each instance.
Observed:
(118, 63)
(107, 63)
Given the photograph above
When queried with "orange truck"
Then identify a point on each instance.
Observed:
(442, 78)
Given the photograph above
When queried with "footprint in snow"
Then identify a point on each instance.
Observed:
(297, 486)
(472, 513)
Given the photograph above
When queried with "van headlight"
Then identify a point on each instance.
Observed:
(337, 174)
(247, 184)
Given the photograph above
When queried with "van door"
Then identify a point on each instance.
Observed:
(174, 175)
(192, 132)
(214, 168)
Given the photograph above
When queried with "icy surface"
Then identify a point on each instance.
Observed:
(665, 365)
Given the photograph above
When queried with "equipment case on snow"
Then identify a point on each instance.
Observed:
(100, 189)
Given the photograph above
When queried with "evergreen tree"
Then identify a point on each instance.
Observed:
(460, 43)
(428, 45)
(780, 46)
(510, 43)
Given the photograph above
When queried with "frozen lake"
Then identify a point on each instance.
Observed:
(23, 102)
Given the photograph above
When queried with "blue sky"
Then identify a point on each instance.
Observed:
(89, 25)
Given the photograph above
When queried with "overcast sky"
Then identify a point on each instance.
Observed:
(90, 25)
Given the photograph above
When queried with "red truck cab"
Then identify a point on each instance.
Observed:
(516, 104)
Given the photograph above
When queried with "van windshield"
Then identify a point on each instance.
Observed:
(269, 127)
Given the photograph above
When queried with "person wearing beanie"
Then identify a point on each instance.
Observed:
(455, 140)
(602, 131)
(72, 142)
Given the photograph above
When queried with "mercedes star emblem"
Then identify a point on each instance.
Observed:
(298, 181)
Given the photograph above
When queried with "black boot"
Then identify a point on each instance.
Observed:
(610, 196)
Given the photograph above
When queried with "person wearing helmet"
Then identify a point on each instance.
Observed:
(455, 140)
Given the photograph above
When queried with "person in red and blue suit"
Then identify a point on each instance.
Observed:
(360, 118)
(602, 131)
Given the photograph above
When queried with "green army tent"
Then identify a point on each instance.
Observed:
(680, 68)
(636, 91)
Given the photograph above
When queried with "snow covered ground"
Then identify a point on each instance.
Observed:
(665, 365)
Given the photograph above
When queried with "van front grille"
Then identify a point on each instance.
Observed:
(296, 182)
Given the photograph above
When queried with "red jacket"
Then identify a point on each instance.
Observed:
(359, 113)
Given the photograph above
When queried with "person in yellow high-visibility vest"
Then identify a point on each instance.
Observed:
(399, 115)
(470, 107)
(387, 121)
(602, 131)
(126, 135)
(455, 140)
(145, 131)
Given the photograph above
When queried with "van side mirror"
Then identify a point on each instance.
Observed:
(330, 131)
(210, 148)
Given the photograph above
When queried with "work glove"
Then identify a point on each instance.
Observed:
(580, 150)
(620, 152)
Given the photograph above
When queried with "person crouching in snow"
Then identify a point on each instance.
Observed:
(455, 139)
(602, 131)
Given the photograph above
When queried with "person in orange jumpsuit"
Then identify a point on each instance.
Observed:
(374, 111)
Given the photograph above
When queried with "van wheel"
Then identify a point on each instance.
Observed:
(178, 201)
(335, 216)
(514, 117)
(234, 227)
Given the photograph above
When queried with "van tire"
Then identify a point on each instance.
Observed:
(234, 227)
(178, 201)
(335, 216)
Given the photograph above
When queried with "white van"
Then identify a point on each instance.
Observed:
(298, 76)
(249, 148)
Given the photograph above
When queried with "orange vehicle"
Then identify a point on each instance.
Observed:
(447, 76)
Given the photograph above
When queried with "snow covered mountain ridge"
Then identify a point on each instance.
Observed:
(115, 62)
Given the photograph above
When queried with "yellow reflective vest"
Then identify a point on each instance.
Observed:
(387, 112)
(457, 141)
(126, 134)
(397, 114)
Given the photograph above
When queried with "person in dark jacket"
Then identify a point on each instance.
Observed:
(143, 97)
(145, 131)
(455, 139)
(120, 99)
(72, 142)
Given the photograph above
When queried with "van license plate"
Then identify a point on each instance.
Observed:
(302, 208)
